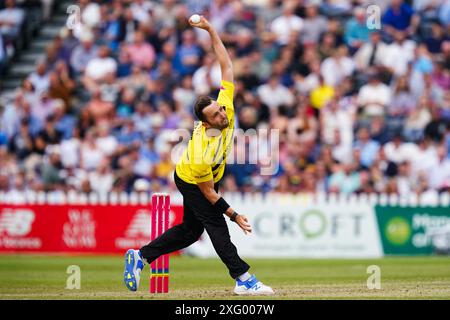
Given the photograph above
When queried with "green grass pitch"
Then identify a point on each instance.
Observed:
(45, 277)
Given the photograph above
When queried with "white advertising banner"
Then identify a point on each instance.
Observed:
(296, 226)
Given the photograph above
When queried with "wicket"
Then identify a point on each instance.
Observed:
(159, 269)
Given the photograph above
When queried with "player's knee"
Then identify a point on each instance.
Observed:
(195, 233)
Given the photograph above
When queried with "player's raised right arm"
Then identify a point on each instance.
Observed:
(226, 65)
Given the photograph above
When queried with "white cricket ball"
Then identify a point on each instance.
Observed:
(195, 18)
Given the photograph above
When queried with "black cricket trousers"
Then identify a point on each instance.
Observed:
(199, 215)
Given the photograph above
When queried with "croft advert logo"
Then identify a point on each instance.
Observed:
(15, 225)
(311, 224)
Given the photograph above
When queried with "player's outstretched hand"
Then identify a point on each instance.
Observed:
(242, 222)
(203, 24)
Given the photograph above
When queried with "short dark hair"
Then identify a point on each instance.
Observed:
(201, 103)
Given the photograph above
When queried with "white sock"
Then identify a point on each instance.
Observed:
(245, 276)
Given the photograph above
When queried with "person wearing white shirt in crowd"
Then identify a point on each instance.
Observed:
(207, 77)
(102, 179)
(439, 175)
(11, 115)
(371, 53)
(374, 96)
(399, 54)
(90, 154)
(141, 10)
(406, 182)
(399, 151)
(70, 149)
(341, 150)
(11, 19)
(105, 141)
(335, 68)
(333, 119)
(90, 13)
(83, 53)
(40, 78)
(98, 68)
(287, 23)
(424, 159)
(43, 107)
(274, 94)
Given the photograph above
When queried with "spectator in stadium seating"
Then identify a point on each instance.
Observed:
(142, 11)
(90, 13)
(356, 30)
(49, 134)
(242, 19)
(90, 153)
(416, 121)
(435, 38)
(208, 77)
(64, 122)
(43, 107)
(403, 102)
(344, 179)
(287, 23)
(11, 20)
(98, 69)
(439, 175)
(336, 67)
(400, 16)
(335, 119)
(398, 151)
(314, 24)
(61, 86)
(83, 53)
(105, 140)
(444, 13)
(40, 78)
(188, 53)
(221, 11)
(22, 142)
(370, 54)
(70, 149)
(427, 9)
(184, 94)
(399, 54)
(101, 180)
(128, 134)
(51, 170)
(99, 109)
(374, 97)
(367, 147)
(441, 76)
(274, 94)
(435, 129)
(141, 53)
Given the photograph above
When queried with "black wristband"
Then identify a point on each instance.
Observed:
(233, 216)
(221, 206)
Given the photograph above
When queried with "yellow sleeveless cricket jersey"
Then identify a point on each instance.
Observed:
(204, 158)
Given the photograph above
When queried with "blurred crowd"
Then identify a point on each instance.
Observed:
(359, 93)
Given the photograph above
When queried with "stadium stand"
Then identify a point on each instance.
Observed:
(358, 109)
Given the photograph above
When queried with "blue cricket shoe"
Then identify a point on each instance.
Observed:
(252, 287)
(133, 267)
